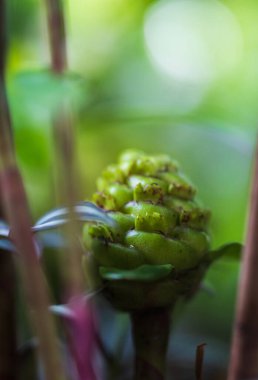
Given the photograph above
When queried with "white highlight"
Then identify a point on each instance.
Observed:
(194, 41)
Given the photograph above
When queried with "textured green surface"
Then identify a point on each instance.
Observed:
(158, 223)
(156, 213)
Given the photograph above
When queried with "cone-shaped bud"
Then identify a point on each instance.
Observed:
(158, 248)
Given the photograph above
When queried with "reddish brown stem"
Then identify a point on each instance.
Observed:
(6, 140)
(244, 353)
(56, 26)
(199, 361)
(67, 183)
(64, 144)
(17, 212)
(7, 274)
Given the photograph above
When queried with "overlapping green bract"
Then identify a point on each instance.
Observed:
(158, 222)
(157, 218)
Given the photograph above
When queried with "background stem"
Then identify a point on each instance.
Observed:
(7, 273)
(8, 358)
(150, 331)
(17, 212)
(64, 139)
(244, 354)
(81, 338)
(56, 25)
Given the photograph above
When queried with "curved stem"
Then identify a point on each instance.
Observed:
(150, 331)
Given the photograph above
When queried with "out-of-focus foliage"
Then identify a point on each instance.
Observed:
(185, 85)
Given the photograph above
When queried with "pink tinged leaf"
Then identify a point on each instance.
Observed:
(80, 321)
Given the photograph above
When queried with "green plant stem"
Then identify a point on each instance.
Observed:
(150, 331)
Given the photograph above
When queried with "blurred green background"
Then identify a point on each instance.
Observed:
(175, 76)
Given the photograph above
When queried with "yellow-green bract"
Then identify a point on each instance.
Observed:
(160, 235)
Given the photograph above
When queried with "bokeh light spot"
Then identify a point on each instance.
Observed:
(193, 41)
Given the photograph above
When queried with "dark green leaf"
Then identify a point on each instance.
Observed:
(230, 250)
(143, 273)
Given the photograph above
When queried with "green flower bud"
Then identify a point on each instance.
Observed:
(159, 247)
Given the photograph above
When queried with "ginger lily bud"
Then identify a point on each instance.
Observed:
(158, 250)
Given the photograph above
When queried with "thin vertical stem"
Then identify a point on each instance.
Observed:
(17, 212)
(6, 131)
(8, 358)
(64, 143)
(57, 38)
(7, 275)
(81, 337)
(244, 353)
(150, 331)
(199, 357)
